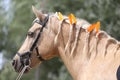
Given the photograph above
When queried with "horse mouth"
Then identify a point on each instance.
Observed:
(19, 68)
(26, 70)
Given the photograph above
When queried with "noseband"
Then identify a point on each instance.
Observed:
(25, 57)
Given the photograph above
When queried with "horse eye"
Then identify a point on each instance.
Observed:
(31, 34)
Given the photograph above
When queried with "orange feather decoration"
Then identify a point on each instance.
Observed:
(94, 26)
(72, 19)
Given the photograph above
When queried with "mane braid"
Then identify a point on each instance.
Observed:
(118, 47)
(76, 40)
(109, 42)
(70, 38)
(59, 30)
(86, 46)
(90, 47)
(93, 47)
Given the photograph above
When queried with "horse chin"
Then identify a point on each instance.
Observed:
(20, 69)
(27, 70)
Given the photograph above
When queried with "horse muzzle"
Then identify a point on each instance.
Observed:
(20, 62)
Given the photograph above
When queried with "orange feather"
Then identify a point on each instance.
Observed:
(91, 28)
(97, 26)
(74, 19)
(94, 26)
(70, 18)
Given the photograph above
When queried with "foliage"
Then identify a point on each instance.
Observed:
(7, 73)
(16, 19)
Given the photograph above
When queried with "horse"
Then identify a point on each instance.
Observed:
(87, 55)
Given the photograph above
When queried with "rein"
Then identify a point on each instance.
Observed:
(21, 73)
(25, 57)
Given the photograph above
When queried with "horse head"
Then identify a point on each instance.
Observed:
(39, 43)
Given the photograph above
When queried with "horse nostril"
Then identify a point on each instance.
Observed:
(13, 62)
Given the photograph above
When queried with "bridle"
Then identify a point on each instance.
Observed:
(25, 57)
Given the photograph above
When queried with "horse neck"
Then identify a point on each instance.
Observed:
(71, 56)
(90, 46)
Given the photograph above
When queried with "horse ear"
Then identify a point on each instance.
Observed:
(38, 14)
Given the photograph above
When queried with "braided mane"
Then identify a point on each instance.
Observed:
(88, 45)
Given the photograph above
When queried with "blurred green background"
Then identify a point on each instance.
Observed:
(16, 18)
